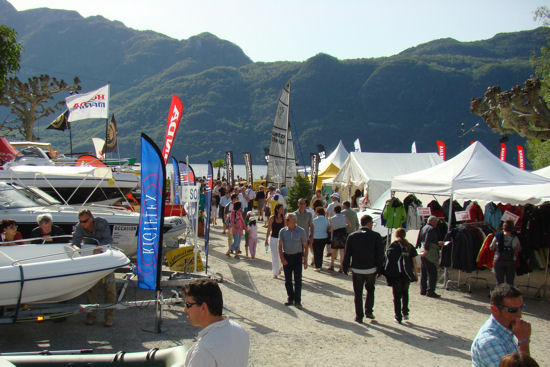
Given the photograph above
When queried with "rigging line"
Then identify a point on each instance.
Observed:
(298, 142)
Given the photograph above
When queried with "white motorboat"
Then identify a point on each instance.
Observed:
(54, 272)
(72, 184)
(23, 204)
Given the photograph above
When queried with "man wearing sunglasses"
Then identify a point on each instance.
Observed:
(505, 332)
(96, 231)
(221, 342)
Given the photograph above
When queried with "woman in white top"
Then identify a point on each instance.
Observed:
(321, 228)
(338, 224)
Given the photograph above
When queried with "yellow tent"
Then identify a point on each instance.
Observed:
(330, 166)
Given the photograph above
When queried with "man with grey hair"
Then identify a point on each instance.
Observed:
(293, 253)
(429, 237)
(47, 232)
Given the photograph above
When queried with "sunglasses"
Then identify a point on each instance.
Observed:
(511, 309)
(190, 304)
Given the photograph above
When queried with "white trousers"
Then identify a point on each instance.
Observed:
(275, 261)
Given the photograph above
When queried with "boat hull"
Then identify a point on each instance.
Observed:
(52, 273)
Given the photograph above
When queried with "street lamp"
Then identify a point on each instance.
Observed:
(464, 131)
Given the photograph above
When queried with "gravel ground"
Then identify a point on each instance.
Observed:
(439, 332)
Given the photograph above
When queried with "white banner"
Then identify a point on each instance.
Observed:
(357, 145)
(94, 104)
(191, 194)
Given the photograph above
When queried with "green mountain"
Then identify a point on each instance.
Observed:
(421, 94)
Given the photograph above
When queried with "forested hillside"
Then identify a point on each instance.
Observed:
(421, 94)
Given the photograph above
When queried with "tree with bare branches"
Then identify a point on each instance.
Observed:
(31, 101)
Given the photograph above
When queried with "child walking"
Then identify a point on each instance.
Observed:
(252, 236)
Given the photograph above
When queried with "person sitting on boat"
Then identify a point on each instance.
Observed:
(47, 232)
(98, 231)
(10, 235)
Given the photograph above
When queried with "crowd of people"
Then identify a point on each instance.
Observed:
(326, 223)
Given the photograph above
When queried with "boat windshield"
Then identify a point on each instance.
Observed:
(11, 197)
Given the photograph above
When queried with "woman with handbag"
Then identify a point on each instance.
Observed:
(400, 269)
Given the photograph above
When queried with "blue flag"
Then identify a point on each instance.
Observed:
(151, 218)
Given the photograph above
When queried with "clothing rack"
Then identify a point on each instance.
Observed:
(542, 288)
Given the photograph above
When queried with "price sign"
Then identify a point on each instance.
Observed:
(509, 216)
(191, 194)
(462, 216)
(423, 212)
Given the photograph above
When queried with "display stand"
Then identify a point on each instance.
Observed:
(542, 289)
(476, 278)
(528, 284)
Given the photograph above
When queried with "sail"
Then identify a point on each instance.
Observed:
(281, 150)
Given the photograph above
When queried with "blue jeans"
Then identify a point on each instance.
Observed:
(294, 265)
(236, 245)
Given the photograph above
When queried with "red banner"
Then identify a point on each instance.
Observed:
(521, 157)
(174, 117)
(502, 152)
(441, 149)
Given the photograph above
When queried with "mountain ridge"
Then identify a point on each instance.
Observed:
(420, 94)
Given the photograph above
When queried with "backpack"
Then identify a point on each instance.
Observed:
(506, 252)
(226, 213)
(398, 262)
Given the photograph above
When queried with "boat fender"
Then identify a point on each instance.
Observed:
(22, 282)
(119, 356)
(151, 354)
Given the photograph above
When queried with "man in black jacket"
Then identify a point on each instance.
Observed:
(365, 251)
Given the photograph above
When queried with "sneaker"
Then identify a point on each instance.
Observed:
(433, 295)
(298, 305)
(397, 319)
(289, 303)
(422, 293)
(405, 317)
(359, 320)
(370, 316)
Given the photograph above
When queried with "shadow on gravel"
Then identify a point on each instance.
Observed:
(436, 341)
(278, 305)
(359, 329)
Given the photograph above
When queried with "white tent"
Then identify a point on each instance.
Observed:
(337, 158)
(376, 170)
(544, 172)
(329, 167)
(475, 167)
(514, 194)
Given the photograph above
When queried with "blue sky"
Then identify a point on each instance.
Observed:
(295, 30)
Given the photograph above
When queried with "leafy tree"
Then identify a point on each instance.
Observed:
(28, 101)
(523, 110)
(300, 189)
(220, 163)
(10, 53)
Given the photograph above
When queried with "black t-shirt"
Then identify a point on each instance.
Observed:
(260, 195)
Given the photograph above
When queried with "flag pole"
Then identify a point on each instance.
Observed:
(70, 137)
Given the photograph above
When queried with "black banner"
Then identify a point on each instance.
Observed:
(321, 150)
(314, 169)
(229, 169)
(111, 133)
(248, 164)
(61, 122)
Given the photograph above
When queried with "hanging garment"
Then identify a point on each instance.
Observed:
(394, 213)
(492, 215)
(476, 214)
(413, 220)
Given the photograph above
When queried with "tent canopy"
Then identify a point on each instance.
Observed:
(544, 172)
(514, 194)
(376, 170)
(330, 166)
(475, 167)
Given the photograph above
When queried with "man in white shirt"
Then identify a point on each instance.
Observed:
(221, 342)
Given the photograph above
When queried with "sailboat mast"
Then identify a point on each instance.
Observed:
(287, 132)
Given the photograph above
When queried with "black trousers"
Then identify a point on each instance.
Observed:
(318, 246)
(293, 266)
(360, 281)
(428, 277)
(400, 288)
(505, 269)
